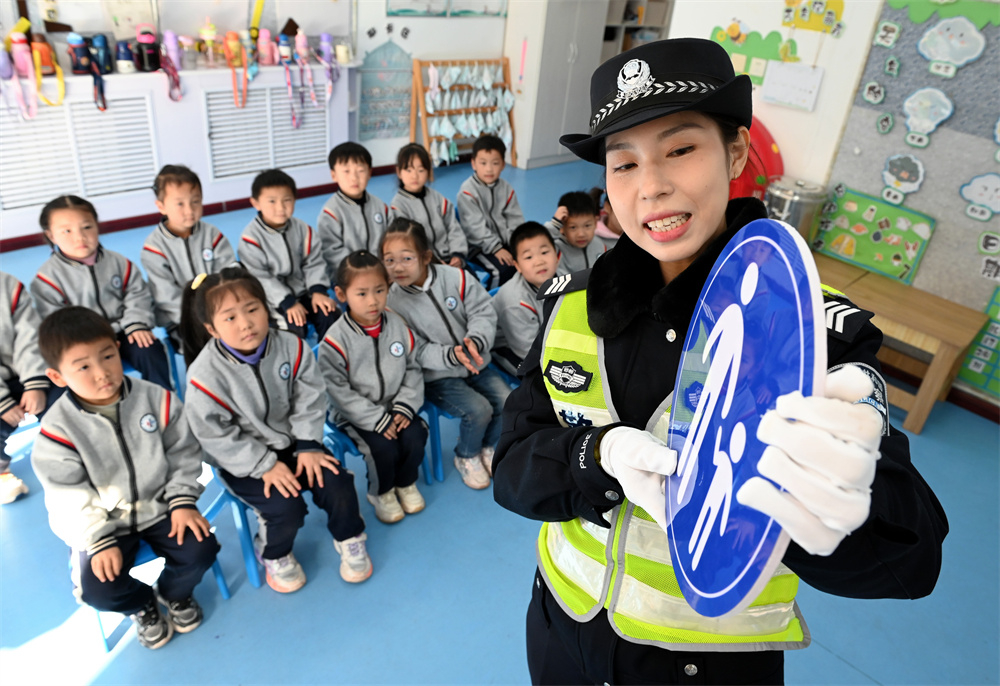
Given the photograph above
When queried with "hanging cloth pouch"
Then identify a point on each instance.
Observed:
(10, 83)
(236, 55)
(24, 67)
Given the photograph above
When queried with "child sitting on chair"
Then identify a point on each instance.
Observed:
(120, 465)
(573, 228)
(81, 272)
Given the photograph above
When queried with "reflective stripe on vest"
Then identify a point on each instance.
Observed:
(627, 569)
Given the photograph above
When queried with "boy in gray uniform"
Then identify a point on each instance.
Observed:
(489, 211)
(352, 219)
(518, 315)
(573, 228)
(119, 466)
(285, 254)
(182, 246)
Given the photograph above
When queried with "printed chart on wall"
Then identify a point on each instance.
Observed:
(386, 87)
(981, 368)
(923, 138)
(872, 233)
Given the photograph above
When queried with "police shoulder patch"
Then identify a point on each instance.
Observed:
(561, 285)
(568, 377)
(843, 318)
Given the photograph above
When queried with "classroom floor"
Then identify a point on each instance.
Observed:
(447, 598)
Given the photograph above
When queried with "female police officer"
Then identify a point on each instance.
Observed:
(670, 124)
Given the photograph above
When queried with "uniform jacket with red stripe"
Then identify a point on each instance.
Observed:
(518, 316)
(452, 307)
(288, 262)
(571, 258)
(437, 215)
(105, 479)
(243, 413)
(489, 214)
(368, 379)
(171, 262)
(346, 225)
(19, 356)
(112, 287)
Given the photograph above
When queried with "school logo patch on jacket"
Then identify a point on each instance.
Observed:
(396, 349)
(451, 302)
(568, 377)
(148, 423)
(207, 254)
(285, 370)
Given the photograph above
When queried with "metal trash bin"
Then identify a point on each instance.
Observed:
(795, 202)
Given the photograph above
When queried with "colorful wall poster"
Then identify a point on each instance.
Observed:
(981, 367)
(386, 87)
(751, 52)
(814, 15)
(873, 234)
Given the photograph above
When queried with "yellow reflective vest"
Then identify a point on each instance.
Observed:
(627, 569)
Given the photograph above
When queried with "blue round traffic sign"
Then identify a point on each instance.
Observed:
(757, 333)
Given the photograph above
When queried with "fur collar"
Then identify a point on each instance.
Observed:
(627, 281)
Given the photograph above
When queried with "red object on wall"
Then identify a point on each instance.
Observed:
(764, 163)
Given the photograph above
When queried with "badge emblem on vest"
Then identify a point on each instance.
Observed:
(285, 370)
(763, 289)
(575, 419)
(378, 217)
(116, 281)
(148, 423)
(208, 254)
(451, 302)
(568, 377)
(396, 349)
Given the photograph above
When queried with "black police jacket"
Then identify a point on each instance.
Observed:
(546, 472)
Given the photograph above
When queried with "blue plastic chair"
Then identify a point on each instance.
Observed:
(144, 556)
(483, 275)
(434, 414)
(239, 510)
(340, 445)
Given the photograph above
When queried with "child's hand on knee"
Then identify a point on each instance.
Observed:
(143, 338)
(107, 564)
(504, 257)
(311, 463)
(281, 478)
(13, 416)
(296, 315)
(400, 422)
(322, 302)
(464, 360)
(185, 518)
(456, 262)
(32, 402)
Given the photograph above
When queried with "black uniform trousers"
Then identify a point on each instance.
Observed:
(185, 565)
(282, 517)
(392, 463)
(150, 362)
(564, 651)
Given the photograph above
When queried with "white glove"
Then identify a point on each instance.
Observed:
(639, 461)
(822, 451)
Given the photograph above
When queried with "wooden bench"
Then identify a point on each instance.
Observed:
(918, 319)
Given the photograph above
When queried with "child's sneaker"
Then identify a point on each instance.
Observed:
(153, 629)
(387, 507)
(410, 499)
(355, 565)
(11, 488)
(486, 456)
(472, 471)
(184, 614)
(284, 575)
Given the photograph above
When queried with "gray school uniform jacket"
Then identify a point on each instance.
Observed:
(288, 262)
(171, 262)
(19, 356)
(453, 307)
(243, 413)
(433, 211)
(489, 214)
(346, 225)
(112, 287)
(104, 479)
(571, 258)
(368, 379)
(518, 316)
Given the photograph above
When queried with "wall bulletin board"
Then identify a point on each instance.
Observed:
(923, 137)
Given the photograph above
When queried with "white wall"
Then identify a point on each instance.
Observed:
(808, 140)
(429, 38)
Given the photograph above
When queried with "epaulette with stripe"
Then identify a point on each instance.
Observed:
(561, 285)
(843, 318)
